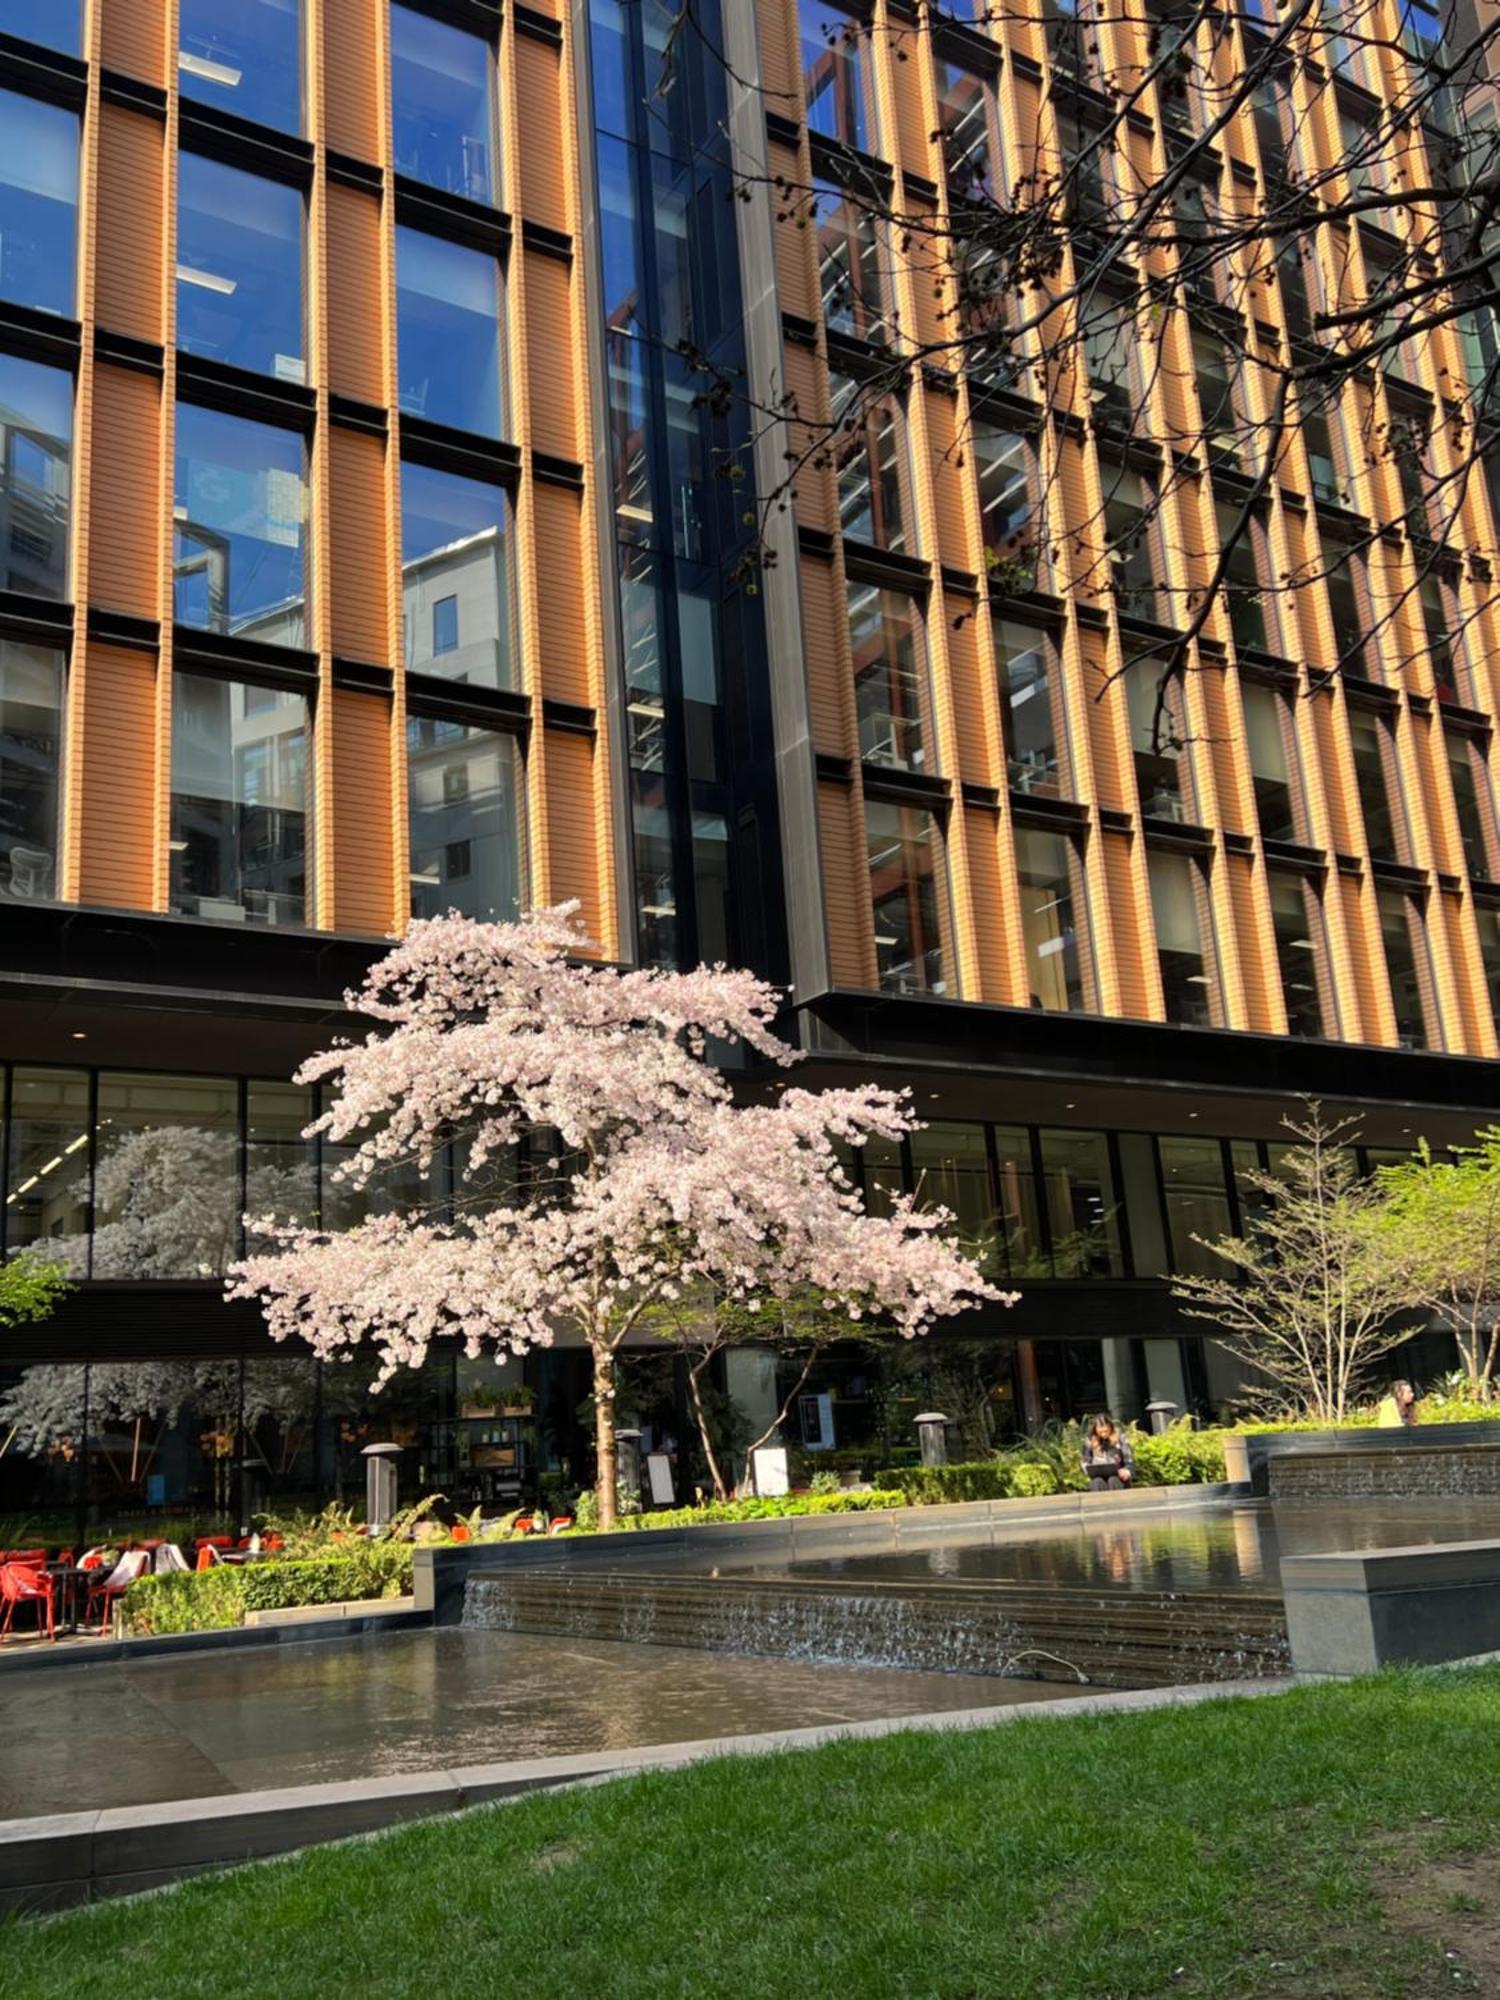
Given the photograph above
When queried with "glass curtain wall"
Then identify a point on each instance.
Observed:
(239, 268)
(464, 786)
(1179, 907)
(443, 106)
(38, 203)
(239, 515)
(837, 74)
(1297, 921)
(1050, 872)
(1405, 940)
(671, 284)
(36, 460)
(241, 802)
(890, 680)
(1031, 714)
(448, 334)
(31, 735)
(1268, 736)
(245, 56)
(907, 891)
(456, 551)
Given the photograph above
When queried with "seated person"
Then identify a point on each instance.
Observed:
(1107, 1457)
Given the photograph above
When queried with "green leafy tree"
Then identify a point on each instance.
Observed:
(1315, 1294)
(1442, 1224)
(30, 1288)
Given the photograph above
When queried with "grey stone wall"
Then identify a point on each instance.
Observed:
(1397, 1472)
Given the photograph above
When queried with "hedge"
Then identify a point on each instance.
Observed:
(216, 1599)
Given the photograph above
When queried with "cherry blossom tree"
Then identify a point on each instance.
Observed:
(646, 1180)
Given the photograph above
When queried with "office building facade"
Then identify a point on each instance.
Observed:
(395, 398)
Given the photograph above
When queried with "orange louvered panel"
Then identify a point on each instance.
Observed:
(359, 552)
(572, 845)
(128, 273)
(362, 813)
(846, 889)
(1131, 930)
(564, 663)
(135, 39)
(125, 533)
(825, 638)
(355, 293)
(552, 375)
(543, 191)
(352, 77)
(118, 779)
(979, 830)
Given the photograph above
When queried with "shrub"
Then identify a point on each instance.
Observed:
(936, 1485)
(1179, 1457)
(1033, 1482)
(217, 1599)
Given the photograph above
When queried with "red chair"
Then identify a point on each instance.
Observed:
(31, 1557)
(21, 1584)
(214, 1542)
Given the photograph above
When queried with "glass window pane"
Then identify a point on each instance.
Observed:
(1050, 876)
(246, 57)
(464, 787)
(1082, 1208)
(38, 203)
(1192, 1172)
(241, 805)
(1030, 708)
(280, 1165)
(456, 574)
(167, 1184)
(906, 891)
(619, 238)
(47, 1197)
(31, 725)
(849, 271)
(1148, 1236)
(1157, 739)
(441, 105)
(1400, 931)
(448, 333)
(1297, 922)
(1179, 906)
(889, 678)
(870, 462)
(1368, 735)
(1266, 724)
(1003, 466)
(966, 120)
(239, 269)
(836, 74)
(1019, 1212)
(239, 514)
(1469, 770)
(951, 1165)
(36, 454)
(1488, 921)
(54, 24)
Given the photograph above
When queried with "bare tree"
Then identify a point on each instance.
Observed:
(1249, 251)
(1314, 1295)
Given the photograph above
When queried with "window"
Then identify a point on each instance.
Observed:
(1244, 574)
(54, 24)
(837, 74)
(1405, 939)
(31, 726)
(456, 553)
(239, 512)
(1374, 756)
(36, 453)
(1082, 1208)
(1020, 1210)
(1158, 739)
(1179, 907)
(1084, 186)
(241, 804)
(448, 333)
(167, 1184)
(1004, 462)
(47, 1198)
(890, 693)
(1346, 608)
(38, 203)
(1441, 622)
(239, 269)
(1297, 922)
(1488, 921)
(1030, 689)
(1322, 435)
(1108, 348)
(1072, 39)
(464, 787)
(1274, 114)
(906, 891)
(1268, 737)
(1217, 383)
(1296, 297)
(1192, 1174)
(969, 124)
(280, 1165)
(246, 57)
(1472, 802)
(849, 271)
(1050, 873)
(1128, 534)
(445, 626)
(869, 452)
(951, 1169)
(442, 99)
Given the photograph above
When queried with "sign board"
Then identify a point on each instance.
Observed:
(771, 1476)
(659, 1472)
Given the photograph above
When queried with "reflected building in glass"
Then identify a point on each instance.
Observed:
(394, 428)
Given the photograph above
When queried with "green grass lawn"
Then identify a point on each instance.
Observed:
(1335, 1842)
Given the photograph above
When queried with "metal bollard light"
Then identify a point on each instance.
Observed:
(932, 1437)
(380, 1484)
(1162, 1416)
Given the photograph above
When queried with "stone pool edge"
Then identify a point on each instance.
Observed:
(58, 1861)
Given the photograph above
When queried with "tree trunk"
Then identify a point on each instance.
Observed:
(695, 1390)
(604, 1434)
